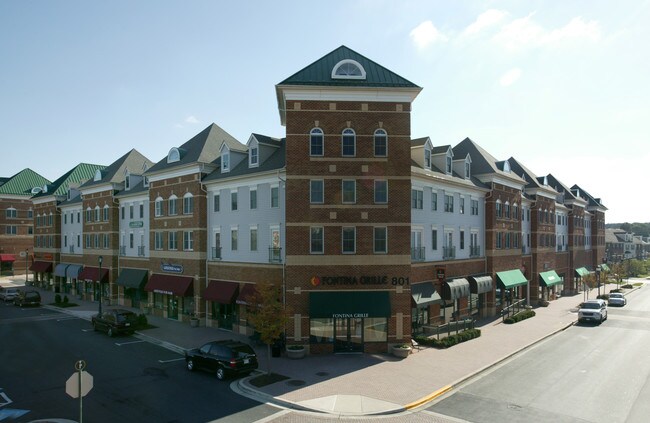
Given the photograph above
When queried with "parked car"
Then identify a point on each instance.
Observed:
(223, 358)
(616, 299)
(593, 311)
(27, 298)
(8, 294)
(115, 321)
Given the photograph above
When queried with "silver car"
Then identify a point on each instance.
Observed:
(616, 299)
(8, 294)
(593, 311)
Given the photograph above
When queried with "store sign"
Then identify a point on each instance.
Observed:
(440, 273)
(136, 224)
(171, 268)
(357, 280)
(160, 291)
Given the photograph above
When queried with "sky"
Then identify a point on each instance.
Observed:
(561, 86)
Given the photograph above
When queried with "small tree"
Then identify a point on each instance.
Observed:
(268, 315)
(619, 271)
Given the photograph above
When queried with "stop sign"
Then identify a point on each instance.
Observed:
(72, 387)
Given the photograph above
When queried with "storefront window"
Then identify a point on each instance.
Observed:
(375, 329)
(158, 301)
(188, 305)
(321, 331)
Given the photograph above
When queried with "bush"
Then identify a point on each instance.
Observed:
(627, 286)
(603, 297)
(65, 299)
(519, 316)
(142, 321)
(57, 299)
(450, 340)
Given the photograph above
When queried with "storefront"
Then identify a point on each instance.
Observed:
(172, 295)
(222, 307)
(580, 273)
(93, 281)
(479, 286)
(59, 277)
(347, 321)
(453, 292)
(72, 278)
(7, 264)
(42, 271)
(131, 284)
(550, 282)
(424, 295)
(510, 285)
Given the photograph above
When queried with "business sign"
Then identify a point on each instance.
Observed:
(358, 280)
(171, 268)
(441, 273)
(136, 224)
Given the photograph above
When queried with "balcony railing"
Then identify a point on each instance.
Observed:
(216, 253)
(275, 255)
(417, 253)
(71, 249)
(448, 252)
(122, 250)
(474, 251)
(141, 251)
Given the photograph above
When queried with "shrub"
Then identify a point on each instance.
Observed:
(519, 316)
(142, 321)
(450, 340)
(603, 297)
(65, 299)
(627, 286)
(57, 299)
(296, 347)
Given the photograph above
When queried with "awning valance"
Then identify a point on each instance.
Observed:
(181, 286)
(41, 267)
(221, 292)
(132, 278)
(455, 289)
(245, 294)
(550, 278)
(582, 271)
(425, 294)
(92, 274)
(343, 304)
(7, 257)
(511, 278)
(59, 270)
(73, 271)
(480, 284)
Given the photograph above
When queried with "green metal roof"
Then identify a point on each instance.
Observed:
(22, 183)
(79, 173)
(320, 72)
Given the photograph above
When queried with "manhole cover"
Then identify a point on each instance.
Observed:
(322, 374)
(296, 382)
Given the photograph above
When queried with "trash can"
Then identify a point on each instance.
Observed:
(276, 349)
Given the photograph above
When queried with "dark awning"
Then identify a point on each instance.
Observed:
(343, 304)
(59, 270)
(480, 284)
(511, 278)
(549, 278)
(7, 257)
(132, 278)
(221, 292)
(582, 271)
(41, 267)
(246, 292)
(425, 294)
(92, 274)
(181, 286)
(73, 271)
(457, 288)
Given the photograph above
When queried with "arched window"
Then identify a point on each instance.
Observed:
(316, 142)
(348, 143)
(188, 203)
(98, 215)
(381, 143)
(106, 213)
(225, 159)
(515, 211)
(98, 175)
(499, 208)
(158, 207)
(174, 155)
(11, 213)
(171, 207)
(348, 69)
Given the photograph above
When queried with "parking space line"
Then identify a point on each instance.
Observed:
(119, 344)
(169, 361)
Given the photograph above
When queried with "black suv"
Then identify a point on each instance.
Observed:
(223, 358)
(28, 298)
(115, 321)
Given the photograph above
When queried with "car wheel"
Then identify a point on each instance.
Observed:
(221, 374)
(110, 332)
(190, 365)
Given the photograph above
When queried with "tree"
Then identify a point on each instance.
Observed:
(268, 315)
(619, 271)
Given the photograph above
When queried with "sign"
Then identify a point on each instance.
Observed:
(136, 224)
(440, 273)
(171, 268)
(72, 387)
(358, 280)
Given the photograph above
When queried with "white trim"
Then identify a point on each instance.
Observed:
(184, 171)
(390, 95)
(350, 62)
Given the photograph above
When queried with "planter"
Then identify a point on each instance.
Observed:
(296, 352)
(194, 322)
(401, 351)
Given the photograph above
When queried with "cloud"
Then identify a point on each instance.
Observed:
(425, 34)
(486, 19)
(520, 32)
(510, 77)
(575, 29)
(525, 32)
(191, 119)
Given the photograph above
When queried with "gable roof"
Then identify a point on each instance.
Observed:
(204, 147)
(79, 173)
(133, 161)
(264, 139)
(594, 202)
(417, 142)
(560, 187)
(276, 161)
(22, 183)
(483, 163)
(319, 73)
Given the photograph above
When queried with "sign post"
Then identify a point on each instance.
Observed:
(83, 385)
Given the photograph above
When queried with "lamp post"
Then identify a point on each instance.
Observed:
(598, 278)
(26, 265)
(99, 279)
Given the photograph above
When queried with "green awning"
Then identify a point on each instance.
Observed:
(550, 278)
(425, 294)
(132, 278)
(582, 271)
(605, 267)
(341, 304)
(511, 278)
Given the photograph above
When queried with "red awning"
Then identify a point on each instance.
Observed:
(92, 274)
(245, 293)
(7, 257)
(181, 286)
(221, 292)
(41, 267)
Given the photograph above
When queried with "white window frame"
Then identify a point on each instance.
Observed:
(374, 240)
(311, 240)
(345, 134)
(380, 133)
(316, 132)
(312, 199)
(345, 182)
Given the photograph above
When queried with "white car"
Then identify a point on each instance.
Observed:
(8, 294)
(616, 299)
(593, 311)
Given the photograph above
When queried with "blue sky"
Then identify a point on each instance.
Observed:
(561, 86)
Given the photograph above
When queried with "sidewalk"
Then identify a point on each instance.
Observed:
(366, 384)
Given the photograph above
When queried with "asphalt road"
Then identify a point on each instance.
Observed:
(134, 381)
(588, 373)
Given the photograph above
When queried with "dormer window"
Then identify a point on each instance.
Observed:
(174, 155)
(145, 181)
(225, 160)
(253, 156)
(467, 169)
(506, 166)
(127, 182)
(427, 157)
(348, 69)
(448, 165)
(98, 175)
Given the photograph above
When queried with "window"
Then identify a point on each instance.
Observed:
(131, 239)
(88, 241)
(381, 192)
(233, 200)
(98, 216)
(499, 208)
(449, 203)
(498, 239)
(253, 238)
(507, 210)
(316, 241)
(349, 188)
(172, 241)
(448, 161)
(348, 237)
(348, 143)
(461, 205)
(65, 219)
(158, 240)
(252, 194)
(89, 216)
(106, 211)
(78, 217)
(348, 69)
(380, 240)
(174, 155)
(233, 239)
(467, 170)
(215, 203)
(275, 200)
(474, 207)
(106, 241)
(96, 239)
(316, 191)
(462, 240)
(11, 230)
(253, 156)
(225, 160)
(434, 239)
(416, 199)
(434, 201)
(188, 241)
(188, 204)
(11, 213)
(122, 212)
(30, 214)
(515, 212)
(158, 207)
(316, 142)
(427, 158)
(171, 210)
(131, 211)
(381, 143)
(141, 211)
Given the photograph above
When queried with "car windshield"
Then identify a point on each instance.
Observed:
(615, 295)
(591, 305)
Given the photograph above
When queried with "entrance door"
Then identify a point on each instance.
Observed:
(172, 307)
(226, 315)
(348, 335)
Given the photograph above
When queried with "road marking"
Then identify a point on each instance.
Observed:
(87, 330)
(119, 344)
(169, 361)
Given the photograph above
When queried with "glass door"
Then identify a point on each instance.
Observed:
(348, 335)
(172, 307)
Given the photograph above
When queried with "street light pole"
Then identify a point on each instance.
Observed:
(99, 279)
(26, 265)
